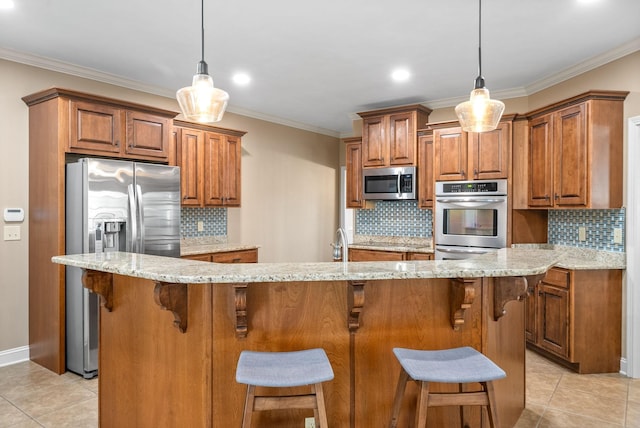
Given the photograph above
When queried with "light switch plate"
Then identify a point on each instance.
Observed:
(582, 233)
(12, 233)
(617, 235)
(200, 226)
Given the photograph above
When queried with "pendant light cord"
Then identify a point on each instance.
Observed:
(202, 26)
(480, 38)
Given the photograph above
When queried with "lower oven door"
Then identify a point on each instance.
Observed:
(450, 252)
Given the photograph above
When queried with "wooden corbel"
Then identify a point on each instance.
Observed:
(461, 295)
(508, 288)
(100, 283)
(355, 303)
(173, 297)
(242, 326)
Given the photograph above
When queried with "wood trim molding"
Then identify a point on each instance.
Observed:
(240, 299)
(355, 303)
(461, 295)
(506, 289)
(100, 283)
(173, 297)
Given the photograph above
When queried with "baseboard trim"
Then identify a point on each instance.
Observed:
(13, 356)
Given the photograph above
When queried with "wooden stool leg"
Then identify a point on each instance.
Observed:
(322, 412)
(491, 408)
(422, 406)
(248, 406)
(397, 401)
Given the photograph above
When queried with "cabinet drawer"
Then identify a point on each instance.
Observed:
(558, 277)
(245, 256)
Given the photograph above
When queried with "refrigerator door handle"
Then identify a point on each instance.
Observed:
(132, 245)
(140, 204)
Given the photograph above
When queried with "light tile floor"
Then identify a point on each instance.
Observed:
(32, 397)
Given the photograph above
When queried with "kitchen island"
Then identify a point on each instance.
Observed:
(176, 367)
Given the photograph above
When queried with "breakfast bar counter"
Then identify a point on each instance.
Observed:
(171, 332)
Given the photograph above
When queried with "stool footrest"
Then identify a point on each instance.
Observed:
(458, 399)
(285, 402)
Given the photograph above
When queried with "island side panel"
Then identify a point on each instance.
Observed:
(411, 314)
(505, 345)
(150, 374)
(281, 317)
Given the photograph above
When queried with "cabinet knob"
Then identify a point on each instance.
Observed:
(475, 172)
(546, 197)
(463, 173)
(556, 197)
(117, 143)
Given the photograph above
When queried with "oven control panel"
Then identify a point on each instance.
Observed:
(484, 187)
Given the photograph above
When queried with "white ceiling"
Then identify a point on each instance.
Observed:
(315, 64)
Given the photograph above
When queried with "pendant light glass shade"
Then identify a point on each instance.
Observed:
(202, 102)
(480, 113)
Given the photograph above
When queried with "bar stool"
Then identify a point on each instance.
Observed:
(457, 365)
(280, 370)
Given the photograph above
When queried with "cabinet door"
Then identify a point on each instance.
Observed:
(419, 256)
(374, 141)
(199, 257)
(570, 154)
(450, 154)
(530, 320)
(553, 316)
(232, 153)
(95, 127)
(426, 182)
(489, 153)
(360, 255)
(540, 161)
(189, 155)
(213, 169)
(354, 175)
(147, 135)
(402, 139)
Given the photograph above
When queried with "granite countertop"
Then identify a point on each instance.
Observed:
(582, 258)
(504, 262)
(210, 244)
(392, 243)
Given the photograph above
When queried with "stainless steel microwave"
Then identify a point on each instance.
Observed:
(394, 183)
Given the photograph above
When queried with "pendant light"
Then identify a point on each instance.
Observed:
(202, 102)
(480, 113)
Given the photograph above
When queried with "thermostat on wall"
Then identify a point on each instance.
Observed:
(13, 214)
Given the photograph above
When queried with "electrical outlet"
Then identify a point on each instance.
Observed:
(200, 226)
(582, 233)
(309, 422)
(617, 235)
(12, 233)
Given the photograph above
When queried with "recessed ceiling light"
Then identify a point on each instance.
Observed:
(241, 79)
(400, 75)
(6, 4)
(588, 1)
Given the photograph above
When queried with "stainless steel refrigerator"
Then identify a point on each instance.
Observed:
(113, 205)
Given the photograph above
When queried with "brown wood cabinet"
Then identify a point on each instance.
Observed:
(389, 136)
(210, 164)
(426, 183)
(239, 256)
(459, 155)
(362, 255)
(65, 123)
(575, 152)
(107, 129)
(575, 316)
(354, 173)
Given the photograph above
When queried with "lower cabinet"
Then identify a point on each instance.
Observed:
(360, 255)
(574, 317)
(242, 256)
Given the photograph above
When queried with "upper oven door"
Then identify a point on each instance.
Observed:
(476, 221)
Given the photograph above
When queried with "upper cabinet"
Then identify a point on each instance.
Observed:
(459, 155)
(574, 155)
(354, 172)
(426, 183)
(102, 126)
(210, 164)
(389, 136)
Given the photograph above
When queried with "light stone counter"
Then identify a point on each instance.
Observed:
(210, 244)
(581, 258)
(393, 243)
(504, 262)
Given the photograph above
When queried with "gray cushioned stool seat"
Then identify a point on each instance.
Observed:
(457, 365)
(281, 369)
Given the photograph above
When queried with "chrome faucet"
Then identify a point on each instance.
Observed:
(340, 248)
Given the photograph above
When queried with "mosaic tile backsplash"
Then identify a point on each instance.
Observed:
(563, 228)
(214, 222)
(395, 218)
